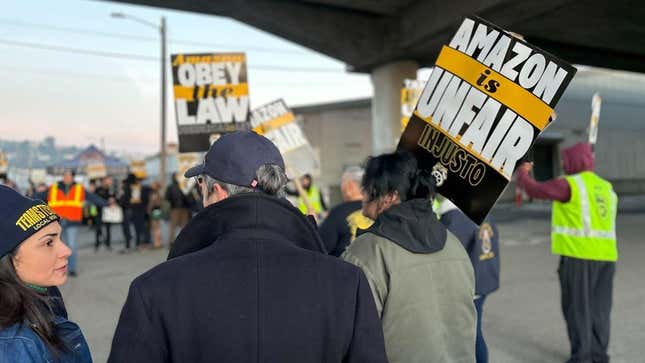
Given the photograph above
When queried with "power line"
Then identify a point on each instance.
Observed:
(146, 39)
(67, 74)
(74, 74)
(156, 59)
(78, 50)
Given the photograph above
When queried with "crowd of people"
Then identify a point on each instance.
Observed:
(134, 208)
(395, 273)
(139, 207)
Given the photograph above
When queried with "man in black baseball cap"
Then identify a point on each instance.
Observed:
(247, 279)
(235, 158)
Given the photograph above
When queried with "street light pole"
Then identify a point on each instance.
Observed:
(163, 153)
(162, 30)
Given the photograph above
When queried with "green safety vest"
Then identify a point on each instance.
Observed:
(585, 226)
(314, 199)
(436, 205)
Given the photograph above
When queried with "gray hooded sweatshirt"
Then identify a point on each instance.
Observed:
(423, 284)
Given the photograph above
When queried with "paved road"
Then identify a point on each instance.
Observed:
(522, 321)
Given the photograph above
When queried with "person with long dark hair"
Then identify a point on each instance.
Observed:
(421, 277)
(33, 258)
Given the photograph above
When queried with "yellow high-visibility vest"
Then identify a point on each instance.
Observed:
(314, 199)
(585, 226)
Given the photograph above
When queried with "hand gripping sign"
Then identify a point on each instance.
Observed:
(488, 98)
(211, 97)
(277, 123)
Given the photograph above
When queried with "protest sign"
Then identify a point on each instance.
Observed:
(95, 170)
(211, 97)
(186, 161)
(138, 168)
(410, 93)
(488, 98)
(38, 176)
(277, 123)
(4, 163)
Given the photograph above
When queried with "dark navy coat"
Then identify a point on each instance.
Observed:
(482, 245)
(247, 281)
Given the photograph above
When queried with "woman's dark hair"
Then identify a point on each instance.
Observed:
(21, 304)
(396, 173)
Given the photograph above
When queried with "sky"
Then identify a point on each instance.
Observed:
(48, 88)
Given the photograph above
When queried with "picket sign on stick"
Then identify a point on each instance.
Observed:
(596, 102)
(211, 97)
(277, 123)
(489, 96)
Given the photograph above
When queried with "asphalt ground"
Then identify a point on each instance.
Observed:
(522, 321)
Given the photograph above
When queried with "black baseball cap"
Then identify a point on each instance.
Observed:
(235, 158)
(21, 217)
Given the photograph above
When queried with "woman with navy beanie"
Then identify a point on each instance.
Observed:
(33, 258)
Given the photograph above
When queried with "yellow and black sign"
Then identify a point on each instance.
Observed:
(95, 170)
(138, 168)
(4, 163)
(186, 161)
(409, 96)
(277, 123)
(211, 97)
(487, 99)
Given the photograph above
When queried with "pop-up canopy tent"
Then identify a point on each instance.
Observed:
(93, 163)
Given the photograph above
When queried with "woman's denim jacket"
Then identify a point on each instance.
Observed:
(19, 343)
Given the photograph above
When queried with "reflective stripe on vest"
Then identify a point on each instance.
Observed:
(586, 237)
(314, 199)
(580, 233)
(68, 206)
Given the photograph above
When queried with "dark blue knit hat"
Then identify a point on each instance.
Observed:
(20, 217)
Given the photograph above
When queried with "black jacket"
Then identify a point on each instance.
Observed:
(482, 245)
(176, 197)
(336, 230)
(125, 200)
(250, 284)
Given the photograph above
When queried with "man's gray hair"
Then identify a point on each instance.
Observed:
(353, 173)
(271, 180)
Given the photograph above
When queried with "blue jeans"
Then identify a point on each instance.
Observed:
(70, 231)
(481, 350)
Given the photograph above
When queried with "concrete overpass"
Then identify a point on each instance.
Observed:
(391, 39)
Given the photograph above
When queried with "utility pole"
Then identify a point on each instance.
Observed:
(164, 152)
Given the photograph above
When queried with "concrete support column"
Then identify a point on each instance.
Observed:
(386, 103)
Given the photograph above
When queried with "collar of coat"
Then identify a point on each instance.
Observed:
(256, 213)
